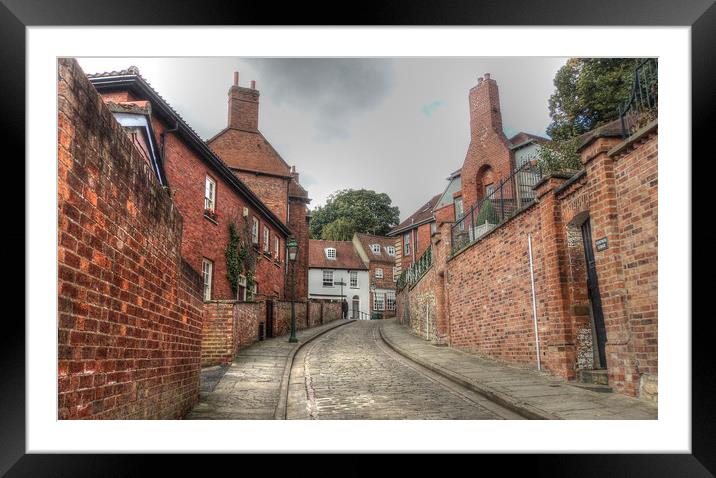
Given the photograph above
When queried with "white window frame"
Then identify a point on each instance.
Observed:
(378, 272)
(395, 274)
(327, 274)
(242, 283)
(390, 250)
(375, 248)
(331, 253)
(210, 194)
(253, 291)
(406, 244)
(354, 283)
(207, 273)
(277, 247)
(378, 301)
(267, 239)
(255, 230)
(390, 300)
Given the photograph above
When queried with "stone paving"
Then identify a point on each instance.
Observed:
(349, 373)
(250, 387)
(531, 392)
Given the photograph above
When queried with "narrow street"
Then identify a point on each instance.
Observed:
(350, 373)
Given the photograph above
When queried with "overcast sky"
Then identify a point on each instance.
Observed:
(398, 126)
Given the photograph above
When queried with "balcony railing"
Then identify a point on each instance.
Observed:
(412, 274)
(510, 196)
(642, 106)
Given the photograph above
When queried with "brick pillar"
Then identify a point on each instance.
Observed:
(557, 345)
(603, 215)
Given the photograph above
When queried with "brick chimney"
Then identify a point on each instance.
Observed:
(243, 106)
(485, 107)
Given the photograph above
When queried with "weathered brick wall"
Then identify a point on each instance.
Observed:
(130, 317)
(416, 306)
(228, 327)
(272, 190)
(282, 316)
(299, 225)
(331, 311)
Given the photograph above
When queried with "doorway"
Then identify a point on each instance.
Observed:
(355, 311)
(600, 331)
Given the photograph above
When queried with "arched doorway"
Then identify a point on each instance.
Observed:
(355, 309)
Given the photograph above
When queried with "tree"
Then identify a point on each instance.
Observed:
(349, 211)
(588, 92)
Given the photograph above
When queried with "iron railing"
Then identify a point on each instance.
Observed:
(642, 106)
(412, 274)
(510, 196)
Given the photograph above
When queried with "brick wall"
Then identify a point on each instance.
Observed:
(299, 225)
(130, 318)
(228, 327)
(486, 294)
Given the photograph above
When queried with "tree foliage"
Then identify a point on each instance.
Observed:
(559, 156)
(588, 92)
(349, 211)
(240, 256)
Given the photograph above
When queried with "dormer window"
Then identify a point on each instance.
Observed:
(390, 250)
(330, 253)
(375, 248)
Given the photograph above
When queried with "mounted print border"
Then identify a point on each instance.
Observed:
(16, 16)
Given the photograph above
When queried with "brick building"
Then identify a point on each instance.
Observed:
(567, 281)
(378, 254)
(412, 236)
(252, 159)
(206, 192)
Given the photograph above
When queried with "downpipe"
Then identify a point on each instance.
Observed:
(534, 300)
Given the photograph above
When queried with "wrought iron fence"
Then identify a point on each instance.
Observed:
(412, 274)
(642, 106)
(510, 196)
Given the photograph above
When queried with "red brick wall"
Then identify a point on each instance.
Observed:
(299, 225)
(419, 241)
(243, 108)
(273, 191)
(228, 327)
(186, 173)
(130, 318)
(488, 144)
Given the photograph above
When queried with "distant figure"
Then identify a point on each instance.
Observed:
(344, 309)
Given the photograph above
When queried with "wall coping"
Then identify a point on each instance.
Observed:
(637, 136)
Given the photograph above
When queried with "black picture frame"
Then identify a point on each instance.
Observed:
(700, 15)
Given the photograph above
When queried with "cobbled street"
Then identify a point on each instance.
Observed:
(350, 373)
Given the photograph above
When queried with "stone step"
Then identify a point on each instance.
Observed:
(595, 376)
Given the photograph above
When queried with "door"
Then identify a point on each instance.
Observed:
(356, 307)
(269, 319)
(594, 297)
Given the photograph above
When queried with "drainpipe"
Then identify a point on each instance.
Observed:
(164, 140)
(534, 301)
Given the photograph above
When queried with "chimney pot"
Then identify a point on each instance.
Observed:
(487, 76)
(479, 81)
(236, 78)
(253, 84)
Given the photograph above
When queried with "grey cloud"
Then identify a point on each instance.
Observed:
(336, 90)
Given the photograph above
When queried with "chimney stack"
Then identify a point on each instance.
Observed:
(485, 107)
(243, 106)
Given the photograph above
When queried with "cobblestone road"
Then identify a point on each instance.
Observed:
(350, 373)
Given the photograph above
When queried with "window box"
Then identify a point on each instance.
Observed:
(213, 216)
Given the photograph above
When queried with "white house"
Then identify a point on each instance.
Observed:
(336, 272)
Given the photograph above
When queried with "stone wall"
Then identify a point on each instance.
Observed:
(130, 310)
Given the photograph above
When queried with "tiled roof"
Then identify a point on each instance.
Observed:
(346, 255)
(367, 239)
(131, 78)
(422, 215)
(521, 138)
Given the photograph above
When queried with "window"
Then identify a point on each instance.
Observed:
(458, 208)
(390, 250)
(327, 278)
(330, 253)
(253, 290)
(375, 248)
(255, 230)
(406, 244)
(242, 287)
(489, 189)
(378, 301)
(395, 274)
(210, 195)
(277, 248)
(267, 247)
(207, 268)
(390, 300)
(433, 227)
(378, 273)
(354, 279)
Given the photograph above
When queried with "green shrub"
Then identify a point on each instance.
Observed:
(487, 214)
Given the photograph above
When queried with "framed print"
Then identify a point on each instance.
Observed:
(279, 270)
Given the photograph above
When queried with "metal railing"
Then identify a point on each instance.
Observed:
(510, 196)
(412, 274)
(642, 106)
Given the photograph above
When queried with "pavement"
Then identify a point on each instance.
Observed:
(530, 393)
(251, 387)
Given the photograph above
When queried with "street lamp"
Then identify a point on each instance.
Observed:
(292, 254)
